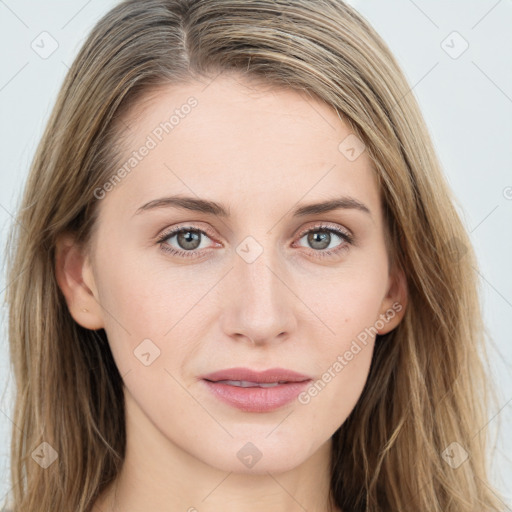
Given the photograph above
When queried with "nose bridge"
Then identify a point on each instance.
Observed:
(253, 266)
(260, 306)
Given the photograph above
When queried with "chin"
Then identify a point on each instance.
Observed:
(260, 454)
(274, 464)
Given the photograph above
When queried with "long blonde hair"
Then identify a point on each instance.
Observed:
(428, 387)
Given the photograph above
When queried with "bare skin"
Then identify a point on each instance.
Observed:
(261, 153)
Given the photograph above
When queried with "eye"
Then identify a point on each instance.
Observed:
(321, 237)
(188, 239)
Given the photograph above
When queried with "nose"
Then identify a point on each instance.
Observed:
(260, 305)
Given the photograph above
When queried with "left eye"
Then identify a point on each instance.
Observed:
(321, 238)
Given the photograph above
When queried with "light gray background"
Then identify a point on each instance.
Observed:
(467, 103)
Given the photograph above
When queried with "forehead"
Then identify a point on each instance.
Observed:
(242, 144)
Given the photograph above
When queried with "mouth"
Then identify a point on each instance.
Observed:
(248, 384)
(256, 391)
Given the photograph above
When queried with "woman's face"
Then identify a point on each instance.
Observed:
(256, 281)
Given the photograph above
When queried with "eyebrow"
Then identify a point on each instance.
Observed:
(214, 208)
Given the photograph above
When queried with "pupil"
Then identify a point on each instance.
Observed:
(188, 239)
(321, 238)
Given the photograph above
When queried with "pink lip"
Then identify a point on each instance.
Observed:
(256, 399)
(270, 375)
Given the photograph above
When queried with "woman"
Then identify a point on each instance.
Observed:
(240, 281)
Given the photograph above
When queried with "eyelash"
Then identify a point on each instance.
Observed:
(348, 239)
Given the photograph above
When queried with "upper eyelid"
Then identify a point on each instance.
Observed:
(325, 225)
(166, 233)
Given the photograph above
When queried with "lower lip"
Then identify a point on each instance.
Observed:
(257, 399)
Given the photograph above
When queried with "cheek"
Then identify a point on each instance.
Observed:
(132, 305)
(345, 364)
(349, 301)
(151, 313)
(350, 308)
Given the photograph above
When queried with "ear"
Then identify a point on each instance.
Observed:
(394, 303)
(75, 278)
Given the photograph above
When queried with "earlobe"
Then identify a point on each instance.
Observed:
(76, 281)
(394, 304)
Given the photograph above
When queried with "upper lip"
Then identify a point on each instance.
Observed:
(246, 374)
